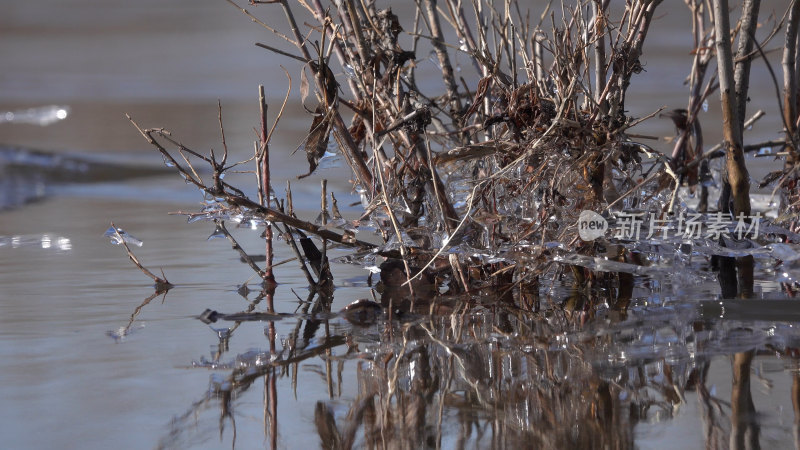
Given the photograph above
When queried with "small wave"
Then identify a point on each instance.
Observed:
(29, 175)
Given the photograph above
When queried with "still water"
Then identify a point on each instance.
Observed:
(92, 357)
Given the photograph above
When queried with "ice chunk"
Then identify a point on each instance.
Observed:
(127, 238)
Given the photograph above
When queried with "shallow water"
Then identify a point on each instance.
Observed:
(93, 359)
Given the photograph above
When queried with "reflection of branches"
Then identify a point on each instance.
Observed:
(713, 417)
(500, 392)
(254, 365)
(123, 332)
(485, 377)
(744, 427)
(251, 367)
(162, 286)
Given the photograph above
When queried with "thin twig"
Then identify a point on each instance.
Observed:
(161, 283)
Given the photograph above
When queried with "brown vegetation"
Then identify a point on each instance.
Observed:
(480, 188)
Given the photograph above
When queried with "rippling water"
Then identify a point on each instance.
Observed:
(94, 358)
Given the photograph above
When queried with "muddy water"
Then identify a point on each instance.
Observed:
(91, 358)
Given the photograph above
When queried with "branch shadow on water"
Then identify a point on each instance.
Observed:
(480, 373)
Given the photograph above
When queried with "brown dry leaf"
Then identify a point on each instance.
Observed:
(483, 87)
(329, 83)
(318, 137)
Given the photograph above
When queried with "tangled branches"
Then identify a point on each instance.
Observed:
(481, 183)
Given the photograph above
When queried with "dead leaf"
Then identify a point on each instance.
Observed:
(480, 94)
(329, 83)
(318, 138)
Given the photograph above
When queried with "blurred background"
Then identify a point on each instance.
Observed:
(167, 64)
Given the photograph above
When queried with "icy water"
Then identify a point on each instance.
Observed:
(93, 357)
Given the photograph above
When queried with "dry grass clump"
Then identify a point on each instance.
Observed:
(479, 181)
(480, 184)
(460, 183)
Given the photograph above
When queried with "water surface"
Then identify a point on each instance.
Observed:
(92, 358)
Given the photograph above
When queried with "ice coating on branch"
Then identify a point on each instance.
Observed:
(127, 238)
